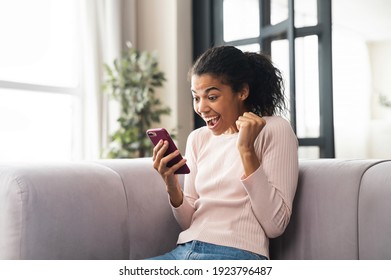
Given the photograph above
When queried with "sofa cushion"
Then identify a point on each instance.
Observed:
(153, 229)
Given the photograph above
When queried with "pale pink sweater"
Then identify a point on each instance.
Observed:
(221, 207)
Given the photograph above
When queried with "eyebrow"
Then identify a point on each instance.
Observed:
(207, 90)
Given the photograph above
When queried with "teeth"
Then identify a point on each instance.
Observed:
(209, 119)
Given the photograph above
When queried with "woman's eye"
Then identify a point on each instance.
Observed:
(196, 99)
(212, 98)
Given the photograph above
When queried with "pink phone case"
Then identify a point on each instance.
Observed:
(157, 134)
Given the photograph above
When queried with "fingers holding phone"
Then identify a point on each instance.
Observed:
(156, 150)
(166, 163)
(165, 153)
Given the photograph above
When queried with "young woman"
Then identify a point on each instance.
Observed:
(244, 163)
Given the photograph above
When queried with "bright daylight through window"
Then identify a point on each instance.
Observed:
(39, 80)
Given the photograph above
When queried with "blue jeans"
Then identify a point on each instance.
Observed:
(197, 250)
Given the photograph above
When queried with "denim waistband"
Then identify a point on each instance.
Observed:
(203, 250)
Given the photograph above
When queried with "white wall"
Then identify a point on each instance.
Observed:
(380, 54)
(361, 68)
(165, 27)
(380, 125)
(351, 94)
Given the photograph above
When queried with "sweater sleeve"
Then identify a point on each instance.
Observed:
(272, 186)
(184, 213)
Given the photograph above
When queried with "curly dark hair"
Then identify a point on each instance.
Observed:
(237, 69)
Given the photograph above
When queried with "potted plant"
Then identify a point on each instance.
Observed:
(132, 80)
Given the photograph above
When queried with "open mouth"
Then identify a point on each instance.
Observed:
(211, 122)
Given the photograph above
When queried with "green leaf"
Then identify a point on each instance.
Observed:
(131, 80)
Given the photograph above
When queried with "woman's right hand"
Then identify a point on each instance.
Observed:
(168, 173)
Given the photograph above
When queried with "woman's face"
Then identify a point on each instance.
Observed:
(217, 104)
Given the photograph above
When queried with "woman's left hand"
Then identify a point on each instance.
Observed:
(249, 126)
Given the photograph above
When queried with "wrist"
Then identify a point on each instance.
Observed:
(250, 161)
(247, 152)
(176, 196)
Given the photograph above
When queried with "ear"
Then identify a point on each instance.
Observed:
(244, 92)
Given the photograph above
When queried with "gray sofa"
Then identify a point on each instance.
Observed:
(118, 209)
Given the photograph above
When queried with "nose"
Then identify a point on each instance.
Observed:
(201, 106)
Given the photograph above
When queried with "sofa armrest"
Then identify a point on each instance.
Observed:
(374, 213)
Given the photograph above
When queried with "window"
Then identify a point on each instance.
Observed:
(297, 35)
(39, 80)
(243, 25)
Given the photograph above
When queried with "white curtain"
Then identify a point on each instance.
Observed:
(106, 26)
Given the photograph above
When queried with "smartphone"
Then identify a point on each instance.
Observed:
(157, 134)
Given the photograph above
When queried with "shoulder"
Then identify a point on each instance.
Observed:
(276, 136)
(277, 122)
(278, 127)
(195, 141)
(199, 135)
